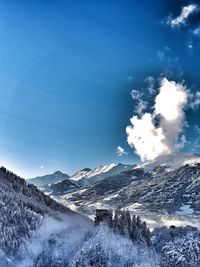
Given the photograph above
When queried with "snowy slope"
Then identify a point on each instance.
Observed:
(97, 171)
(89, 177)
(169, 184)
(81, 174)
(171, 162)
(22, 208)
(26, 212)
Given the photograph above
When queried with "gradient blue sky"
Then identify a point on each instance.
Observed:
(66, 72)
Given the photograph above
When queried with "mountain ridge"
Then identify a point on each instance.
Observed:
(48, 178)
(99, 173)
(169, 187)
(85, 178)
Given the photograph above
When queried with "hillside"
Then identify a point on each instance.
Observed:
(23, 208)
(36, 231)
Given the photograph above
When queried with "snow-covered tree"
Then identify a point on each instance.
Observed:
(107, 249)
(182, 252)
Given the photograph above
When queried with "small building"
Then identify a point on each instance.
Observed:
(103, 216)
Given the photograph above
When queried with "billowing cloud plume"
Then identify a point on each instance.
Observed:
(147, 140)
(157, 133)
(182, 18)
(120, 151)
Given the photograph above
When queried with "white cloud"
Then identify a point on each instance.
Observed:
(181, 143)
(121, 151)
(170, 100)
(145, 138)
(196, 31)
(182, 18)
(196, 100)
(140, 104)
(136, 95)
(151, 83)
(158, 133)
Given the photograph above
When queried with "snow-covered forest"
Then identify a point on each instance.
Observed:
(126, 242)
(36, 231)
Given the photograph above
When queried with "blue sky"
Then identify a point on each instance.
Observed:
(67, 72)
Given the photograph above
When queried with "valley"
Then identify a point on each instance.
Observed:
(166, 189)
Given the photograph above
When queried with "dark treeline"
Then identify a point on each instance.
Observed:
(125, 224)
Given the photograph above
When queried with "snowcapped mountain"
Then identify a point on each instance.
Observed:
(167, 185)
(48, 179)
(97, 171)
(85, 178)
(89, 177)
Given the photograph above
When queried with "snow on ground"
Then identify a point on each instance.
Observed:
(185, 210)
(111, 197)
(133, 207)
(152, 219)
(69, 195)
(172, 161)
(192, 162)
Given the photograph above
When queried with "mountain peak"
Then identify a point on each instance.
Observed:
(57, 176)
(91, 176)
(58, 172)
(86, 170)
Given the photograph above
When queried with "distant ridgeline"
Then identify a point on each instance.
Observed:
(122, 223)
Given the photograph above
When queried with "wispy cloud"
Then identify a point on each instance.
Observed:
(151, 84)
(197, 129)
(120, 151)
(170, 61)
(140, 104)
(190, 45)
(196, 144)
(196, 31)
(182, 142)
(195, 102)
(130, 78)
(161, 55)
(190, 18)
(183, 17)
